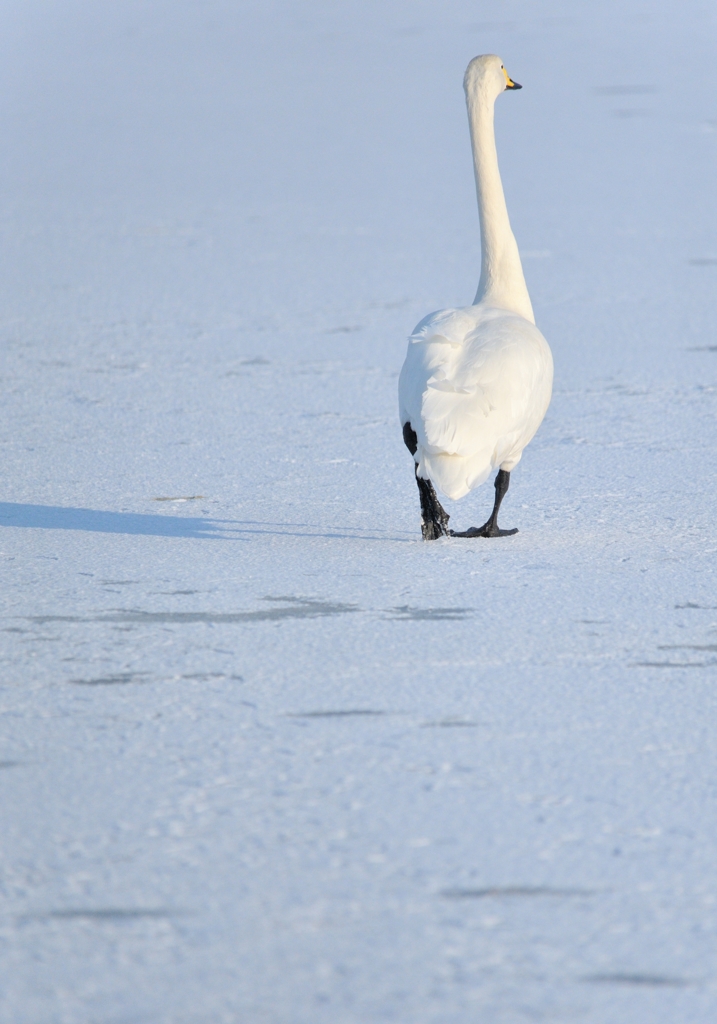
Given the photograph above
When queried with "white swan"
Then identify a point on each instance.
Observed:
(477, 381)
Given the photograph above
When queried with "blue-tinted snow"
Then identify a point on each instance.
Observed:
(265, 755)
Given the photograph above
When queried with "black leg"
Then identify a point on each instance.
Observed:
(490, 529)
(434, 518)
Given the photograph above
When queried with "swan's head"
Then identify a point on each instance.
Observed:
(486, 76)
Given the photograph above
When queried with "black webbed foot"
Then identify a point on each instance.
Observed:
(491, 528)
(483, 531)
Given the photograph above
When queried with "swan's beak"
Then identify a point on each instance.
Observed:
(509, 83)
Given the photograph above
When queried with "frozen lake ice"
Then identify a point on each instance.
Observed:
(266, 756)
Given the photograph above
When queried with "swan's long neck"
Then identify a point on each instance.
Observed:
(501, 276)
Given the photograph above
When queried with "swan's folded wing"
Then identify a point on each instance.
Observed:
(435, 350)
(454, 415)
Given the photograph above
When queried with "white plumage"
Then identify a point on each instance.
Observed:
(475, 387)
(477, 380)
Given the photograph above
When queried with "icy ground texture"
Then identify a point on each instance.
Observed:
(267, 758)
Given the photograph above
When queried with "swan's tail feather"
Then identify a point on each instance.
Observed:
(455, 475)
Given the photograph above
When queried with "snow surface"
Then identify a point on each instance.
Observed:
(266, 756)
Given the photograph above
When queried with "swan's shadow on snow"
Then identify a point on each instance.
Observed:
(373, 533)
(57, 517)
